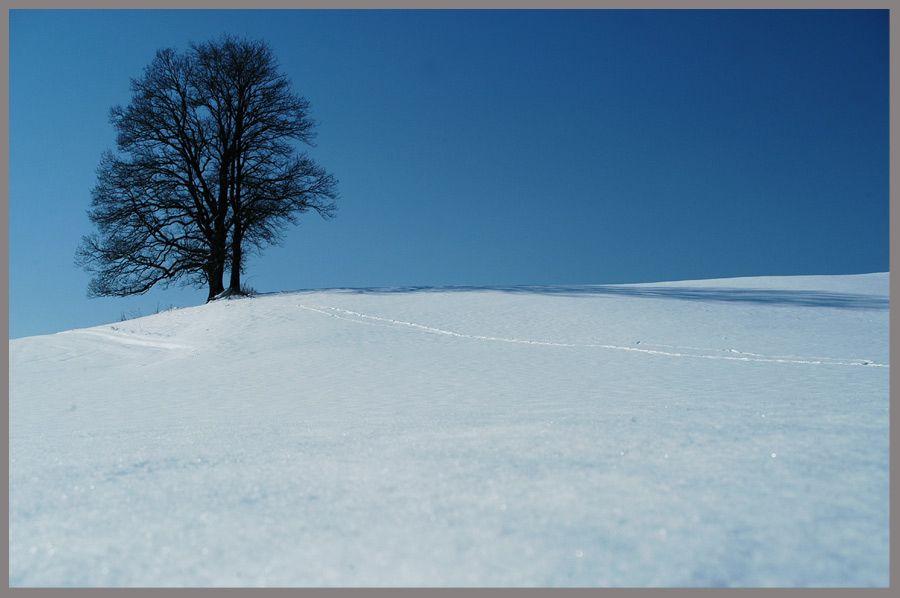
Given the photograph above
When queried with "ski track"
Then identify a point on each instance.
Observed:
(360, 318)
(126, 338)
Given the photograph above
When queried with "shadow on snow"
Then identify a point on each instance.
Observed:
(713, 294)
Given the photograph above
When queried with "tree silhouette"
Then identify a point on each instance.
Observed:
(206, 168)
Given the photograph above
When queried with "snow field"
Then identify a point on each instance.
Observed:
(706, 433)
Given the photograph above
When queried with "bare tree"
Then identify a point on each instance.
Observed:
(207, 167)
(258, 117)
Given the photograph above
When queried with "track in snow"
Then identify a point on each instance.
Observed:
(733, 355)
(130, 339)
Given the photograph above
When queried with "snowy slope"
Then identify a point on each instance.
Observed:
(704, 433)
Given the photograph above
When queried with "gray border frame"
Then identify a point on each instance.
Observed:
(512, 4)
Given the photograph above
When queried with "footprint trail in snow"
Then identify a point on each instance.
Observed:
(732, 354)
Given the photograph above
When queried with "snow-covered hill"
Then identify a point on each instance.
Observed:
(724, 432)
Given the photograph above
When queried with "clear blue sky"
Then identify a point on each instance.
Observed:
(492, 147)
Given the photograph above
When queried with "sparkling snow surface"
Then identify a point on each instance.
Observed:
(707, 433)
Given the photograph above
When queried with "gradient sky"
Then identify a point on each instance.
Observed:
(491, 147)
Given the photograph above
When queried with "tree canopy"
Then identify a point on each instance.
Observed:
(207, 168)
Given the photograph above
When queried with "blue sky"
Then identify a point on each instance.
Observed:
(492, 147)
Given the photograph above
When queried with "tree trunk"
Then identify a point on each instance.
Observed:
(215, 275)
(237, 242)
(220, 235)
